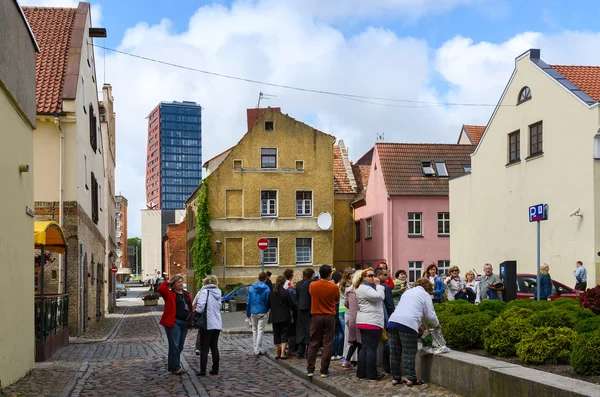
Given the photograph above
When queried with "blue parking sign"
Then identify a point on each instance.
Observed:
(538, 212)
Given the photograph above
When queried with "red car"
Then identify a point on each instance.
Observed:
(526, 285)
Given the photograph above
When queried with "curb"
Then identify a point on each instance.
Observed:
(315, 380)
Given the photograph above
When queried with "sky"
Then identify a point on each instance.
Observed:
(432, 52)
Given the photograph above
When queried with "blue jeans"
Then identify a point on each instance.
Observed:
(176, 336)
(338, 340)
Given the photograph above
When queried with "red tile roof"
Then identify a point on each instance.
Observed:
(475, 132)
(587, 78)
(342, 182)
(361, 174)
(401, 165)
(52, 28)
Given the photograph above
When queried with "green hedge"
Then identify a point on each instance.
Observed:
(553, 318)
(546, 345)
(466, 331)
(588, 325)
(502, 335)
(492, 306)
(585, 357)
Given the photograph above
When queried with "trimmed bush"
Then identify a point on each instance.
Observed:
(591, 299)
(553, 318)
(444, 317)
(466, 331)
(461, 307)
(546, 345)
(585, 356)
(529, 304)
(492, 306)
(580, 313)
(588, 325)
(492, 314)
(566, 302)
(502, 335)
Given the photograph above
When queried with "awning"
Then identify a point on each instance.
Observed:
(124, 270)
(50, 235)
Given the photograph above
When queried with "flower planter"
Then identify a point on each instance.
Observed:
(151, 302)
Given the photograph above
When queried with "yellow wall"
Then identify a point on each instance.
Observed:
(489, 207)
(343, 254)
(17, 339)
(294, 141)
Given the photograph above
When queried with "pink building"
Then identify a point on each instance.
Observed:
(403, 216)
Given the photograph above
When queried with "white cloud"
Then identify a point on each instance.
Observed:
(272, 41)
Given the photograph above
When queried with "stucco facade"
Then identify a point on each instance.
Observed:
(490, 205)
(241, 188)
(17, 107)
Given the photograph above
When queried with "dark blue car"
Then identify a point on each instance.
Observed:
(240, 292)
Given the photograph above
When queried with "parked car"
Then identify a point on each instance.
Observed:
(117, 294)
(527, 284)
(240, 293)
(122, 289)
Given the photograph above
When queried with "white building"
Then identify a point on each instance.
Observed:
(154, 226)
(541, 145)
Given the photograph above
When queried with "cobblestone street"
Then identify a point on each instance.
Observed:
(125, 354)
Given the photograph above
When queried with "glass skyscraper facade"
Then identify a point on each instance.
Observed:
(173, 170)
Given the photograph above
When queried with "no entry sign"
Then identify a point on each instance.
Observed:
(114, 269)
(262, 244)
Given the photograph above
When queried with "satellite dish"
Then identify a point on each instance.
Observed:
(324, 221)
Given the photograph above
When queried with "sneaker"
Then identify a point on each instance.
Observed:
(327, 375)
(346, 365)
(197, 352)
(335, 358)
(258, 354)
(310, 374)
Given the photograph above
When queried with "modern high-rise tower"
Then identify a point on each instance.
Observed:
(174, 157)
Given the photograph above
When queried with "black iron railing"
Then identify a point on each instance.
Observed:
(51, 315)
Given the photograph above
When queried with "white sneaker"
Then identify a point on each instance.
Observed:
(197, 352)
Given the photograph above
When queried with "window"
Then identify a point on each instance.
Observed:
(268, 158)
(100, 197)
(83, 94)
(443, 267)
(85, 173)
(415, 269)
(443, 223)
(535, 139)
(237, 164)
(303, 250)
(524, 95)
(268, 203)
(428, 168)
(441, 168)
(467, 168)
(597, 146)
(414, 224)
(299, 164)
(357, 231)
(94, 199)
(269, 126)
(369, 228)
(514, 147)
(93, 129)
(270, 254)
(303, 203)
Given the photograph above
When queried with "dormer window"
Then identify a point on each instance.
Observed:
(524, 95)
(428, 168)
(441, 168)
(269, 126)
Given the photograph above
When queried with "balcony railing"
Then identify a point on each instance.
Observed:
(51, 315)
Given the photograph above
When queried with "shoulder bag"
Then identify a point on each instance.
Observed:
(199, 319)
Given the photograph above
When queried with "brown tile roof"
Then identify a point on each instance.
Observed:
(361, 174)
(52, 28)
(587, 78)
(475, 132)
(342, 182)
(401, 165)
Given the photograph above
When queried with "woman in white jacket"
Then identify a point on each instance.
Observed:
(455, 284)
(209, 299)
(370, 322)
(403, 329)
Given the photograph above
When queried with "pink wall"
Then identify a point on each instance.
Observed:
(390, 239)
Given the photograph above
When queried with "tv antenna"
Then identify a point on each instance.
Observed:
(261, 96)
(380, 137)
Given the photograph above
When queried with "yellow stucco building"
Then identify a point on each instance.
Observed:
(279, 183)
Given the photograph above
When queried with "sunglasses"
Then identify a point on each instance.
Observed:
(370, 275)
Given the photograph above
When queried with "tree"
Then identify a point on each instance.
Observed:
(202, 249)
(136, 242)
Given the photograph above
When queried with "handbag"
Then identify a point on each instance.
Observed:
(384, 336)
(199, 320)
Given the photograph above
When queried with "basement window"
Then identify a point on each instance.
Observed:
(428, 168)
(299, 164)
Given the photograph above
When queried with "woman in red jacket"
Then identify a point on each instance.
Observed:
(178, 307)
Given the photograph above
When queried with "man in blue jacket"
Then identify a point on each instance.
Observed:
(257, 307)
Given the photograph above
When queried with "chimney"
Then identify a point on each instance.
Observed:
(252, 115)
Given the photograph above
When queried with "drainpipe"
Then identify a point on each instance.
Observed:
(60, 191)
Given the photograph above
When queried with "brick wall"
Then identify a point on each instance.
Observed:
(174, 243)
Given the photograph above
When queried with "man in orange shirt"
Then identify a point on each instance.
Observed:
(325, 296)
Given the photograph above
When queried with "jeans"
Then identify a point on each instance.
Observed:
(209, 339)
(176, 337)
(259, 322)
(367, 358)
(338, 340)
(322, 327)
